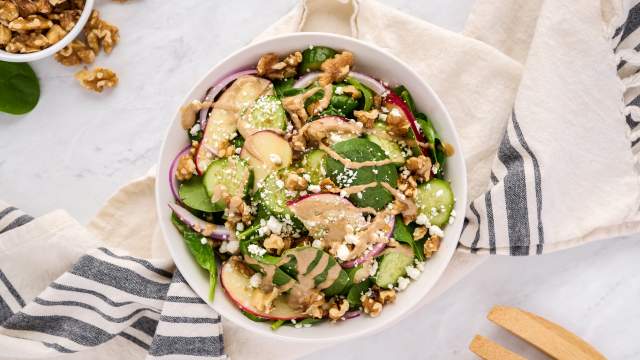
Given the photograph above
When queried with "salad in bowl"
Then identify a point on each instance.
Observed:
(310, 191)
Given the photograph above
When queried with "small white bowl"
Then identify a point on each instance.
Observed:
(66, 40)
(371, 60)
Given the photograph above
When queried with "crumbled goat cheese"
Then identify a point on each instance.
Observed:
(412, 272)
(382, 117)
(395, 112)
(314, 188)
(233, 246)
(239, 226)
(279, 184)
(403, 282)
(256, 250)
(343, 252)
(359, 195)
(255, 280)
(194, 129)
(422, 219)
(317, 244)
(306, 177)
(374, 268)
(351, 239)
(419, 265)
(343, 194)
(274, 225)
(203, 241)
(339, 90)
(435, 230)
(275, 158)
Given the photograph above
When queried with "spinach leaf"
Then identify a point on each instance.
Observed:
(404, 93)
(253, 317)
(313, 57)
(19, 88)
(284, 88)
(367, 94)
(404, 234)
(202, 253)
(432, 137)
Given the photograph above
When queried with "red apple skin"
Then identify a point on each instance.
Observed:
(281, 310)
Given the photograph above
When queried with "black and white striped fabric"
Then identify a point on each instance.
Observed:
(107, 295)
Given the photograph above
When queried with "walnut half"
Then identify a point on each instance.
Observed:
(100, 33)
(75, 53)
(97, 79)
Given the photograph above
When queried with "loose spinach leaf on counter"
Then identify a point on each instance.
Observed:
(19, 88)
(203, 253)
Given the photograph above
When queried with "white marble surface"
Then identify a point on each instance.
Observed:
(76, 148)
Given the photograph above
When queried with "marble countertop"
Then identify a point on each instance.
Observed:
(76, 148)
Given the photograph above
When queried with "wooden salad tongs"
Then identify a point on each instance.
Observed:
(550, 338)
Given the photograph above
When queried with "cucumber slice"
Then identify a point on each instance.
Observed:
(194, 195)
(313, 163)
(266, 113)
(392, 266)
(232, 173)
(272, 196)
(360, 150)
(390, 148)
(435, 200)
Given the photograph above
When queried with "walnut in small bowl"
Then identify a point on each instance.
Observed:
(33, 29)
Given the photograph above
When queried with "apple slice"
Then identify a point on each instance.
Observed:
(327, 215)
(222, 123)
(236, 286)
(266, 152)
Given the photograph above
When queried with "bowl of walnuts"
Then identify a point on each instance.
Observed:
(34, 29)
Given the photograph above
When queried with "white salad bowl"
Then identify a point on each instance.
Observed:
(66, 40)
(370, 60)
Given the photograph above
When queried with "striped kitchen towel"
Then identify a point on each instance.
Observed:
(56, 298)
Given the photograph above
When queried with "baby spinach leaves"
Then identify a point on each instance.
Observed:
(19, 88)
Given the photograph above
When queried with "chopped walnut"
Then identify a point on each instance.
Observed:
(56, 2)
(276, 244)
(370, 306)
(420, 166)
(314, 304)
(74, 54)
(55, 34)
(327, 185)
(351, 90)
(366, 117)
(263, 300)
(271, 67)
(419, 232)
(8, 11)
(186, 167)
(30, 7)
(100, 33)
(5, 35)
(189, 112)
(31, 22)
(236, 205)
(335, 69)
(295, 182)
(27, 43)
(448, 149)
(387, 296)
(337, 311)
(67, 18)
(377, 101)
(396, 121)
(432, 245)
(97, 79)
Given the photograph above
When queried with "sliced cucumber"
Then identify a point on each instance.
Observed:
(390, 148)
(392, 266)
(194, 195)
(232, 173)
(313, 163)
(435, 200)
(266, 113)
(273, 197)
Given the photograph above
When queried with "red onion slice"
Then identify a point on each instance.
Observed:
(173, 182)
(219, 231)
(397, 100)
(306, 80)
(369, 82)
(215, 90)
(375, 251)
(351, 314)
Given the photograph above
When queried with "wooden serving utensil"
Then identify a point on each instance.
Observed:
(550, 338)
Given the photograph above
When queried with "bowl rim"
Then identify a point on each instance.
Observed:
(66, 40)
(445, 121)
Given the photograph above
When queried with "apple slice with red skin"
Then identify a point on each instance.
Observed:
(391, 101)
(266, 151)
(236, 286)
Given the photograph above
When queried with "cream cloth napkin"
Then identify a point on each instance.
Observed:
(551, 172)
